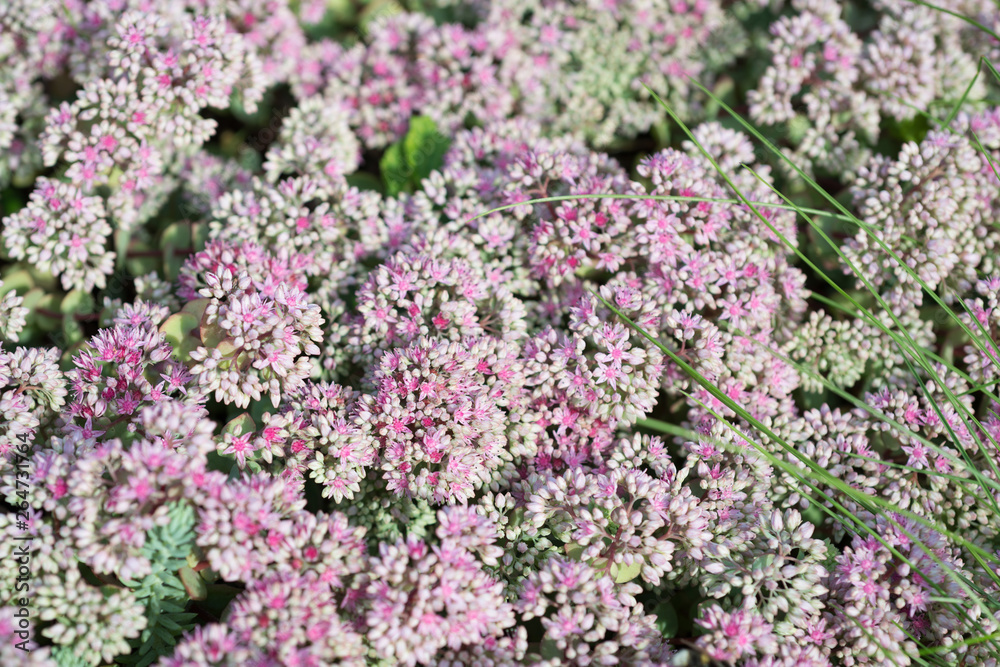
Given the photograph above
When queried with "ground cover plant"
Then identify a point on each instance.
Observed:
(500, 333)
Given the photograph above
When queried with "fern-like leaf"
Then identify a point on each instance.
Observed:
(167, 548)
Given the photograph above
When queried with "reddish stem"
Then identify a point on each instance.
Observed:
(79, 317)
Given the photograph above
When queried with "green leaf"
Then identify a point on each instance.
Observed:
(19, 281)
(913, 129)
(549, 649)
(122, 239)
(365, 181)
(200, 235)
(196, 308)
(258, 409)
(574, 551)
(147, 660)
(213, 336)
(762, 562)
(798, 126)
(407, 162)
(66, 360)
(424, 148)
(176, 621)
(44, 279)
(378, 10)
(163, 635)
(393, 168)
(64, 657)
(724, 87)
(170, 624)
(176, 327)
(661, 133)
(240, 425)
(140, 266)
(226, 347)
(175, 238)
(666, 619)
(72, 331)
(194, 585)
(165, 595)
(186, 347)
(48, 302)
(11, 201)
(218, 462)
(177, 330)
(77, 301)
(219, 597)
(813, 514)
(628, 572)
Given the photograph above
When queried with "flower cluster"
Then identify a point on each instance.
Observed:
(622, 522)
(408, 66)
(136, 113)
(294, 619)
(585, 66)
(314, 141)
(539, 58)
(931, 216)
(64, 232)
(33, 45)
(418, 600)
(415, 294)
(252, 339)
(33, 390)
(336, 334)
(735, 635)
(983, 319)
(12, 315)
(831, 82)
(828, 349)
(889, 589)
(587, 618)
(439, 429)
(89, 625)
(115, 374)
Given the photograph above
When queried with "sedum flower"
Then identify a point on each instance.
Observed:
(12, 315)
(582, 66)
(779, 571)
(927, 208)
(93, 625)
(32, 391)
(122, 369)
(13, 652)
(625, 523)
(316, 141)
(295, 619)
(835, 350)
(64, 232)
(216, 645)
(245, 527)
(831, 85)
(415, 295)
(587, 617)
(419, 600)
(983, 317)
(735, 635)
(442, 417)
(255, 339)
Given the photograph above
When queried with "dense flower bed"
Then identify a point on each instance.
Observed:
(484, 334)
